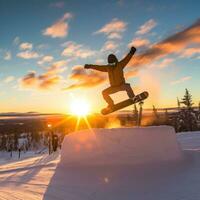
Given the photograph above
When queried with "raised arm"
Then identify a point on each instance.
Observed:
(102, 68)
(127, 58)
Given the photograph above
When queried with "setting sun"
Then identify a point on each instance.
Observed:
(80, 107)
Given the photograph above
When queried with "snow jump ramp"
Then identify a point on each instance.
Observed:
(121, 146)
(102, 165)
(121, 164)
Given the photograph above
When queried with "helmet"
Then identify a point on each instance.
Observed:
(112, 59)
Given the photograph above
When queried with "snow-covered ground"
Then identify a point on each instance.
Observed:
(42, 177)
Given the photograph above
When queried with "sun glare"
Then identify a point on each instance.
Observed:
(80, 107)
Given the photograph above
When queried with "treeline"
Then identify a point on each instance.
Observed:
(186, 117)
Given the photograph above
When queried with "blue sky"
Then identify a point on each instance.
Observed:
(44, 45)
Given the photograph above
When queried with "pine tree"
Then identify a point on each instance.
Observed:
(186, 118)
(187, 99)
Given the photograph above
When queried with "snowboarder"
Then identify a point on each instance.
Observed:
(116, 78)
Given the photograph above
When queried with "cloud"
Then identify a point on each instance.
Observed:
(59, 4)
(26, 46)
(85, 79)
(146, 27)
(139, 42)
(181, 80)
(165, 63)
(45, 81)
(114, 36)
(9, 79)
(7, 55)
(174, 44)
(75, 50)
(171, 45)
(60, 28)
(28, 54)
(16, 40)
(57, 67)
(29, 80)
(109, 46)
(45, 59)
(189, 52)
(113, 29)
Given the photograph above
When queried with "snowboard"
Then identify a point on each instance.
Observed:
(123, 104)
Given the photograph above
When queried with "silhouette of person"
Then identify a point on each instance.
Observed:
(116, 76)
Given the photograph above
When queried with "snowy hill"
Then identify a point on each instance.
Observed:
(43, 177)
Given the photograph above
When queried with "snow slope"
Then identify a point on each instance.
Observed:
(43, 177)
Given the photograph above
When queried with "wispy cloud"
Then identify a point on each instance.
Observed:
(189, 52)
(146, 27)
(181, 80)
(59, 4)
(45, 59)
(16, 40)
(26, 46)
(60, 28)
(85, 79)
(165, 62)
(110, 46)
(75, 50)
(9, 79)
(46, 80)
(139, 42)
(113, 29)
(7, 55)
(28, 54)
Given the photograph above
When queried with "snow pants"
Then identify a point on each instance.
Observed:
(113, 89)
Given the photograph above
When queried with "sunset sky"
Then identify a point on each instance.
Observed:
(45, 44)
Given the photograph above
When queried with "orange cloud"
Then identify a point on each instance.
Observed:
(42, 82)
(46, 80)
(60, 28)
(171, 45)
(139, 42)
(110, 46)
(85, 79)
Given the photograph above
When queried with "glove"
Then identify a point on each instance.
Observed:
(87, 66)
(133, 50)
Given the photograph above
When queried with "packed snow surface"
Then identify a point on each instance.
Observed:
(45, 177)
(120, 146)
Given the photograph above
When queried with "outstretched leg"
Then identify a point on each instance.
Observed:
(106, 95)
